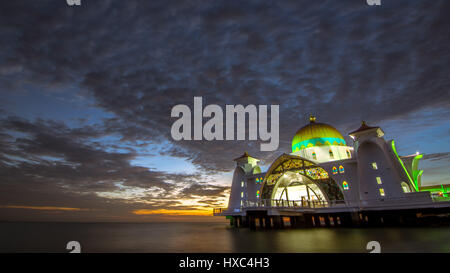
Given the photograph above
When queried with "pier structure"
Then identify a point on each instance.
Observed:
(325, 183)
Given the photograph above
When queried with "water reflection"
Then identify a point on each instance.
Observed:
(213, 237)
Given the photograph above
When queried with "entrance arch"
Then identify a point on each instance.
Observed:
(294, 178)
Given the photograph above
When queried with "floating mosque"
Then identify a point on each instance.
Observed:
(325, 182)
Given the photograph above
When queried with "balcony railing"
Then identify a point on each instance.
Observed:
(218, 210)
(271, 203)
(293, 203)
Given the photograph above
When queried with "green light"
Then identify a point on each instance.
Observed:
(404, 168)
(444, 193)
(415, 169)
(321, 141)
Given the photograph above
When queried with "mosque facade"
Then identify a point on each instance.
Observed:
(324, 179)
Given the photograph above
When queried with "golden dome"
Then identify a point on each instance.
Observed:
(316, 134)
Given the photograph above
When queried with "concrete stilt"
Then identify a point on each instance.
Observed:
(245, 221)
(335, 220)
(355, 219)
(308, 221)
(317, 220)
(251, 222)
(293, 221)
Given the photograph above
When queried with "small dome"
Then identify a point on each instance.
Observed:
(316, 134)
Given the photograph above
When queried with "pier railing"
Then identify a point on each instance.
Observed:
(218, 210)
(272, 203)
(293, 203)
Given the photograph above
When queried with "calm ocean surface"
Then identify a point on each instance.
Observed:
(213, 237)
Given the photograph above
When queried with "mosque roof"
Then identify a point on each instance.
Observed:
(316, 134)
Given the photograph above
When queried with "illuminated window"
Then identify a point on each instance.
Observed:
(242, 194)
(335, 171)
(345, 185)
(331, 154)
(374, 166)
(405, 187)
(341, 169)
(314, 156)
(348, 154)
(257, 194)
(382, 192)
(242, 184)
(242, 203)
(379, 180)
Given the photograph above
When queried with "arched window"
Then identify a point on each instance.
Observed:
(257, 180)
(379, 182)
(314, 156)
(348, 154)
(341, 169)
(334, 169)
(345, 185)
(405, 187)
(257, 194)
(331, 153)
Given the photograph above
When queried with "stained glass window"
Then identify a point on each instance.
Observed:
(314, 156)
(335, 171)
(331, 153)
(257, 194)
(341, 169)
(273, 178)
(317, 173)
(345, 185)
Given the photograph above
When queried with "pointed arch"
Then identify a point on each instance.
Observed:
(287, 170)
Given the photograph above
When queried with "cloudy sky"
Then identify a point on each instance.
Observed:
(86, 94)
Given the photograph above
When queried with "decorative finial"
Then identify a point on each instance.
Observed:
(312, 119)
(363, 123)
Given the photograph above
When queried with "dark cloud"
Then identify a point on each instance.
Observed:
(437, 156)
(204, 190)
(342, 60)
(51, 164)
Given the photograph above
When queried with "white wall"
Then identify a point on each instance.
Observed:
(234, 202)
(323, 155)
